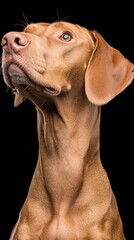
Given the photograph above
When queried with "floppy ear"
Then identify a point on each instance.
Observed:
(19, 98)
(108, 72)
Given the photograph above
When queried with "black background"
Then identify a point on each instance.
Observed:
(18, 136)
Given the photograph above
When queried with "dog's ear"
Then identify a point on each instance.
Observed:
(18, 98)
(108, 72)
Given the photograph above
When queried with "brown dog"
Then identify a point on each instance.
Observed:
(68, 72)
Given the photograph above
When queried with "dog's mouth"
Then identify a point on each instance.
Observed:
(16, 77)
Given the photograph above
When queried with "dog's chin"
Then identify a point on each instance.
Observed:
(17, 78)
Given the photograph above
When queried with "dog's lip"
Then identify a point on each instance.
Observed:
(16, 71)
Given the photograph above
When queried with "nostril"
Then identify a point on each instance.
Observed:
(20, 40)
(4, 42)
(17, 40)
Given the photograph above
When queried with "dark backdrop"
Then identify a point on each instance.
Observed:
(18, 136)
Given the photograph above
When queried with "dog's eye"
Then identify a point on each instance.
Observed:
(66, 36)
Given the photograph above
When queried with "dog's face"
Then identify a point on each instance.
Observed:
(50, 60)
(46, 59)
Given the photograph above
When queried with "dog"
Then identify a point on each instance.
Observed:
(68, 72)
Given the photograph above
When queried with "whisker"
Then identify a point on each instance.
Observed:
(23, 23)
(65, 18)
(43, 103)
(25, 88)
(25, 19)
(53, 19)
(59, 17)
(8, 89)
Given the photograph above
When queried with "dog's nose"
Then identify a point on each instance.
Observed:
(13, 41)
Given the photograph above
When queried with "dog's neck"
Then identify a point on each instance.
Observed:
(68, 130)
(69, 144)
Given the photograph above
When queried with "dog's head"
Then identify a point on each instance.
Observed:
(49, 60)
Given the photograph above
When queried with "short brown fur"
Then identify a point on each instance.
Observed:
(68, 72)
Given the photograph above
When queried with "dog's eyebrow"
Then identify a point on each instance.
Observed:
(56, 26)
(33, 28)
